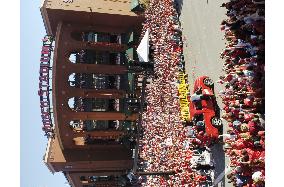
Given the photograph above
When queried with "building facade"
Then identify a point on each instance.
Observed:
(94, 126)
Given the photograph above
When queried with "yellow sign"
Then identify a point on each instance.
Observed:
(183, 89)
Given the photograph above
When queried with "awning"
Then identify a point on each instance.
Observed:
(143, 48)
(134, 4)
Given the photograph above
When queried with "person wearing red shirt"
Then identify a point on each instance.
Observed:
(228, 78)
(248, 117)
(252, 128)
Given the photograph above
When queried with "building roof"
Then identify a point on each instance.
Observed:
(99, 12)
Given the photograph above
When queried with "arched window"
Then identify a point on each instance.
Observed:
(94, 36)
(77, 125)
(71, 79)
(77, 57)
(96, 125)
(96, 57)
(95, 81)
(73, 57)
(79, 104)
(76, 104)
(71, 103)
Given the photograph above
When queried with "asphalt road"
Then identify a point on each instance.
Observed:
(203, 44)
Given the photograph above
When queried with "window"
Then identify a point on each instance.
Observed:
(103, 37)
(80, 104)
(121, 180)
(95, 81)
(71, 103)
(77, 57)
(95, 125)
(99, 104)
(73, 57)
(94, 36)
(92, 125)
(102, 58)
(90, 57)
(104, 82)
(76, 104)
(72, 80)
(93, 57)
(76, 124)
(84, 180)
(100, 82)
(91, 37)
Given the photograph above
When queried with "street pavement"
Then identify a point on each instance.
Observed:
(203, 43)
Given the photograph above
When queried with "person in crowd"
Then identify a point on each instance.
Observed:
(244, 82)
(243, 97)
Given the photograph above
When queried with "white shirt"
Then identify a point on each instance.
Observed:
(195, 97)
(229, 136)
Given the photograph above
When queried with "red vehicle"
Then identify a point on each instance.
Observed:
(204, 111)
(206, 84)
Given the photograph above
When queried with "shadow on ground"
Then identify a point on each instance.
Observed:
(219, 159)
(179, 4)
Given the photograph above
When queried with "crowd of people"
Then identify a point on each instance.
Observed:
(243, 96)
(166, 145)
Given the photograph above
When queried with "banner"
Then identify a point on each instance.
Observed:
(183, 90)
(44, 86)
